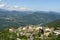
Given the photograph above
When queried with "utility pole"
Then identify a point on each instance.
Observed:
(42, 31)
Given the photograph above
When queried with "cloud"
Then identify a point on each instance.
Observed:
(18, 8)
(25, 9)
(15, 7)
(2, 5)
(12, 7)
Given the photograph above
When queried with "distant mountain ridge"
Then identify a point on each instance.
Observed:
(21, 18)
(37, 17)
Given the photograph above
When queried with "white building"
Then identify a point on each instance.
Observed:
(57, 32)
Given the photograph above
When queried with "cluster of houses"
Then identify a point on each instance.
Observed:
(30, 30)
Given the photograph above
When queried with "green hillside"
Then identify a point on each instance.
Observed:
(54, 23)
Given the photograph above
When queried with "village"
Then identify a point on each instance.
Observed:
(34, 32)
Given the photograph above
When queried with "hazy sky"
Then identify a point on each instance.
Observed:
(36, 5)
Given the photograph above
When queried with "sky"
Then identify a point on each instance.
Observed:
(34, 5)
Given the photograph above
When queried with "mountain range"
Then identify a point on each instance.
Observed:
(22, 18)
